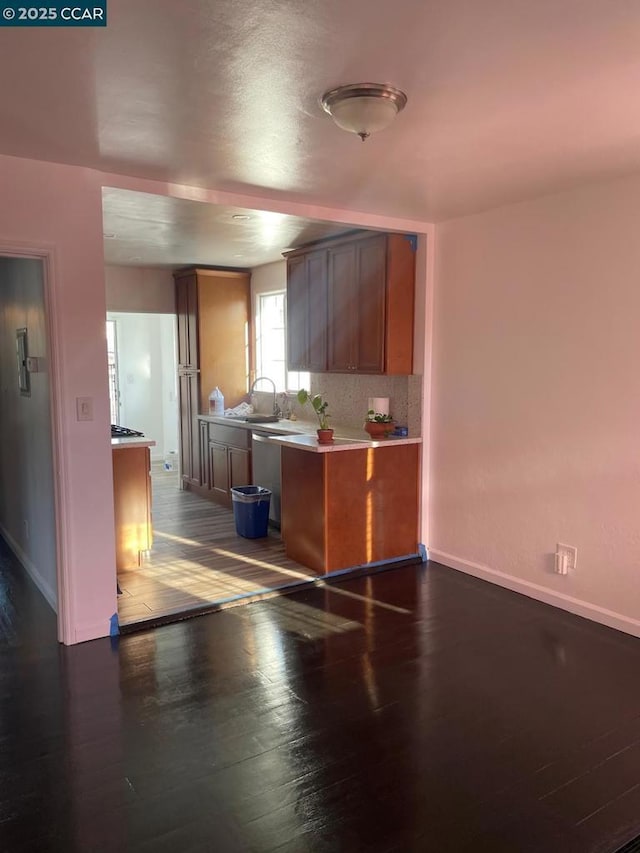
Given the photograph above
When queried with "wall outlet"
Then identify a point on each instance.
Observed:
(566, 558)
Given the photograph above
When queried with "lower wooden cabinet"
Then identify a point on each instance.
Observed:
(341, 510)
(132, 504)
(228, 467)
(225, 461)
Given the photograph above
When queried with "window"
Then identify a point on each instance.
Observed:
(112, 363)
(271, 343)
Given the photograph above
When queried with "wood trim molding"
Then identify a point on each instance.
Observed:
(65, 607)
(573, 605)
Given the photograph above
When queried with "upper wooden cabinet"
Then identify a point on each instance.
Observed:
(213, 318)
(350, 305)
(307, 311)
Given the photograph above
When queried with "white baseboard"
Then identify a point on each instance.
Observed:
(45, 588)
(541, 593)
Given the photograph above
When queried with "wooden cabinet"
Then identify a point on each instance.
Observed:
(307, 312)
(213, 309)
(350, 305)
(132, 504)
(228, 460)
(353, 508)
(187, 311)
(189, 447)
(203, 447)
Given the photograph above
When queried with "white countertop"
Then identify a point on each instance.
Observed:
(310, 443)
(132, 441)
(302, 434)
(282, 426)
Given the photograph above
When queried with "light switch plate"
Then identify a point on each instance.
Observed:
(84, 408)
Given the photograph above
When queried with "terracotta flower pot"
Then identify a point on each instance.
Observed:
(325, 436)
(379, 430)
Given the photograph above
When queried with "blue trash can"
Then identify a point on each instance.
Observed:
(251, 511)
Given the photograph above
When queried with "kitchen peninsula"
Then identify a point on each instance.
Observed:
(343, 505)
(350, 503)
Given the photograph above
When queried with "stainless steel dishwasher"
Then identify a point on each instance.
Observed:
(265, 462)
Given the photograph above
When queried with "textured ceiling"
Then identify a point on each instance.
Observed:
(149, 230)
(507, 98)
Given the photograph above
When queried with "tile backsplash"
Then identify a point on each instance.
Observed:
(348, 397)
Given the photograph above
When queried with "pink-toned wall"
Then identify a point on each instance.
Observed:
(535, 414)
(58, 209)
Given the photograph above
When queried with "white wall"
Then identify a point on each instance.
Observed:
(146, 349)
(147, 377)
(267, 278)
(140, 289)
(27, 518)
(535, 407)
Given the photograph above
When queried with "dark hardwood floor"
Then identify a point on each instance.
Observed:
(414, 710)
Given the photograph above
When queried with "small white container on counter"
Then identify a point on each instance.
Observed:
(216, 402)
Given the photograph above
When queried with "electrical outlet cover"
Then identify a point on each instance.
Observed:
(571, 553)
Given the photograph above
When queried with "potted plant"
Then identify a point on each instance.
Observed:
(319, 406)
(379, 425)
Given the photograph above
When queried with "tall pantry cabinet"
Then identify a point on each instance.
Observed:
(213, 309)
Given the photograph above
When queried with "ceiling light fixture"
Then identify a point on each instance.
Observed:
(241, 217)
(364, 108)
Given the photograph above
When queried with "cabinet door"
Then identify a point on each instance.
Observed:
(370, 328)
(187, 311)
(219, 469)
(342, 308)
(316, 282)
(224, 304)
(189, 436)
(239, 465)
(204, 454)
(297, 314)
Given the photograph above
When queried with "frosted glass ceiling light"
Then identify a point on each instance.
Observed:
(364, 108)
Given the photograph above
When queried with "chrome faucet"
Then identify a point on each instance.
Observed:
(276, 409)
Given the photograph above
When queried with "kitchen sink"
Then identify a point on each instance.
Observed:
(261, 419)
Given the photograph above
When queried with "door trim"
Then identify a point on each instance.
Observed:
(46, 254)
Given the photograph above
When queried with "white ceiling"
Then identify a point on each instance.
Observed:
(151, 230)
(508, 99)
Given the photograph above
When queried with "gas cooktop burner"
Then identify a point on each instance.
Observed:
(124, 432)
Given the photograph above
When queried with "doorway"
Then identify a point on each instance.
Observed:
(141, 354)
(27, 487)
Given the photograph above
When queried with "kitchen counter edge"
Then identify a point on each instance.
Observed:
(310, 443)
(133, 441)
(295, 429)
